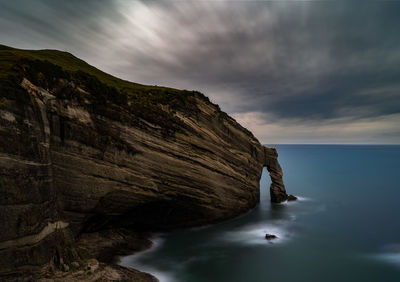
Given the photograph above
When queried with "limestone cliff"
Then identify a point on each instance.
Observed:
(83, 151)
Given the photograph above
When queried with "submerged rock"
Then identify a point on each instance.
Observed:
(291, 198)
(270, 236)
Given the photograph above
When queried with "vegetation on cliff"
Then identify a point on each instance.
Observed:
(60, 64)
(46, 68)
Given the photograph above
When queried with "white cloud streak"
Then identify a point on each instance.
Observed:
(291, 71)
(338, 130)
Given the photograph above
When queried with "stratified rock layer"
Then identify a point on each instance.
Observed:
(32, 231)
(71, 163)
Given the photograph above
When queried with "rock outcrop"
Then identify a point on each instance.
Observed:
(277, 189)
(270, 237)
(33, 232)
(78, 155)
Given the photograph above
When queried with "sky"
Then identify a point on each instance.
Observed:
(289, 71)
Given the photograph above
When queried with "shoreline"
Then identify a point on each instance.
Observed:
(102, 253)
(99, 254)
(109, 246)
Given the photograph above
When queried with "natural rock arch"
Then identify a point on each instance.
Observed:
(277, 189)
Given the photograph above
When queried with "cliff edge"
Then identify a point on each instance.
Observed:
(82, 151)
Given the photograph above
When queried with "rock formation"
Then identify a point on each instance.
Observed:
(277, 189)
(270, 237)
(80, 154)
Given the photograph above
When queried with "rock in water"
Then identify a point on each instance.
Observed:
(277, 189)
(83, 151)
(270, 236)
(291, 198)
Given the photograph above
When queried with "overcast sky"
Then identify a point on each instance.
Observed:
(290, 71)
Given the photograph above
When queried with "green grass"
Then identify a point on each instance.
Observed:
(71, 63)
(109, 96)
(10, 76)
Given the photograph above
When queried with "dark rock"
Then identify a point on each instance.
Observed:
(277, 188)
(270, 236)
(105, 245)
(291, 198)
(65, 267)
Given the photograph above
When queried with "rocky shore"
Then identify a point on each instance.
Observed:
(99, 252)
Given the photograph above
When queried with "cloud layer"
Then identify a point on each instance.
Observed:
(290, 71)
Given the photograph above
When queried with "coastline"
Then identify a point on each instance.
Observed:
(100, 253)
(108, 246)
(111, 245)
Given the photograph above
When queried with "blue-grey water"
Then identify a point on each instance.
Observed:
(345, 227)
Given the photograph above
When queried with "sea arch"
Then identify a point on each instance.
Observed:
(277, 189)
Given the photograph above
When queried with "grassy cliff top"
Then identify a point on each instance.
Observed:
(10, 56)
(45, 68)
(48, 68)
(17, 63)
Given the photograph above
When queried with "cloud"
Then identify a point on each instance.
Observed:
(313, 62)
(337, 130)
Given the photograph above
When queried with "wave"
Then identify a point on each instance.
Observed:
(393, 258)
(390, 254)
(299, 199)
(133, 261)
(303, 199)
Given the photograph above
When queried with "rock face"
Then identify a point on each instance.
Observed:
(70, 161)
(29, 213)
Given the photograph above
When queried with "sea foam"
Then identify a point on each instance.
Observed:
(390, 254)
(255, 234)
(133, 261)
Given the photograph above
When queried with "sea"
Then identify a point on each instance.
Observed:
(345, 225)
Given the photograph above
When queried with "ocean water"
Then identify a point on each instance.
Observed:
(344, 227)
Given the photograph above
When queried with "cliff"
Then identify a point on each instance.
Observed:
(82, 151)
